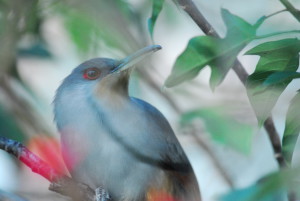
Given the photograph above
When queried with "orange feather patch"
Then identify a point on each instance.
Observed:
(159, 195)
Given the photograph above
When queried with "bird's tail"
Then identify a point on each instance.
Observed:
(177, 187)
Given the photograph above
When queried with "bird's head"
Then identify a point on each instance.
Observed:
(103, 78)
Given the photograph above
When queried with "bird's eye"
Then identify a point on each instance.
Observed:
(91, 73)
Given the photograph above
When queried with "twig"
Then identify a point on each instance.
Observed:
(295, 12)
(276, 142)
(60, 183)
(191, 9)
(275, 13)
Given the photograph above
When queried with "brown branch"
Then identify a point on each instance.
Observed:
(276, 142)
(60, 183)
(190, 8)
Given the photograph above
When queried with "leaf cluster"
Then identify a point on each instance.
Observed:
(276, 69)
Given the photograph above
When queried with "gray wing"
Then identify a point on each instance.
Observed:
(146, 134)
(159, 144)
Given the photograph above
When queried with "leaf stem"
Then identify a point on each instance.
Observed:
(264, 18)
(275, 13)
(276, 34)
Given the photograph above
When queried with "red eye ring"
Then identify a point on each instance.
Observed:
(91, 73)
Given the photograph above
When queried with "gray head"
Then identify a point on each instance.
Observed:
(96, 73)
(108, 75)
(101, 78)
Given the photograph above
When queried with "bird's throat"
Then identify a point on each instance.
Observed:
(113, 89)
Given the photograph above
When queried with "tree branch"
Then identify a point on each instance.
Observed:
(276, 142)
(60, 183)
(190, 8)
(295, 12)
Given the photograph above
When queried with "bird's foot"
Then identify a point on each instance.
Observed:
(101, 194)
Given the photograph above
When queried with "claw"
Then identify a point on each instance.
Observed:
(101, 194)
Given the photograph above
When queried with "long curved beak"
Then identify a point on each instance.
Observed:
(136, 57)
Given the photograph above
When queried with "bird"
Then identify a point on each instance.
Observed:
(120, 143)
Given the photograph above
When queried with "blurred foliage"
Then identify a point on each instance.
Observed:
(264, 86)
(9, 126)
(38, 49)
(223, 128)
(93, 25)
(270, 188)
(292, 128)
(18, 20)
(82, 30)
(157, 6)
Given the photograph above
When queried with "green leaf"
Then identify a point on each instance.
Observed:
(219, 54)
(292, 128)
(271, 188)
(223, 129)
(281, 77)
(157, 6)
(266, 48)
(276, 68)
